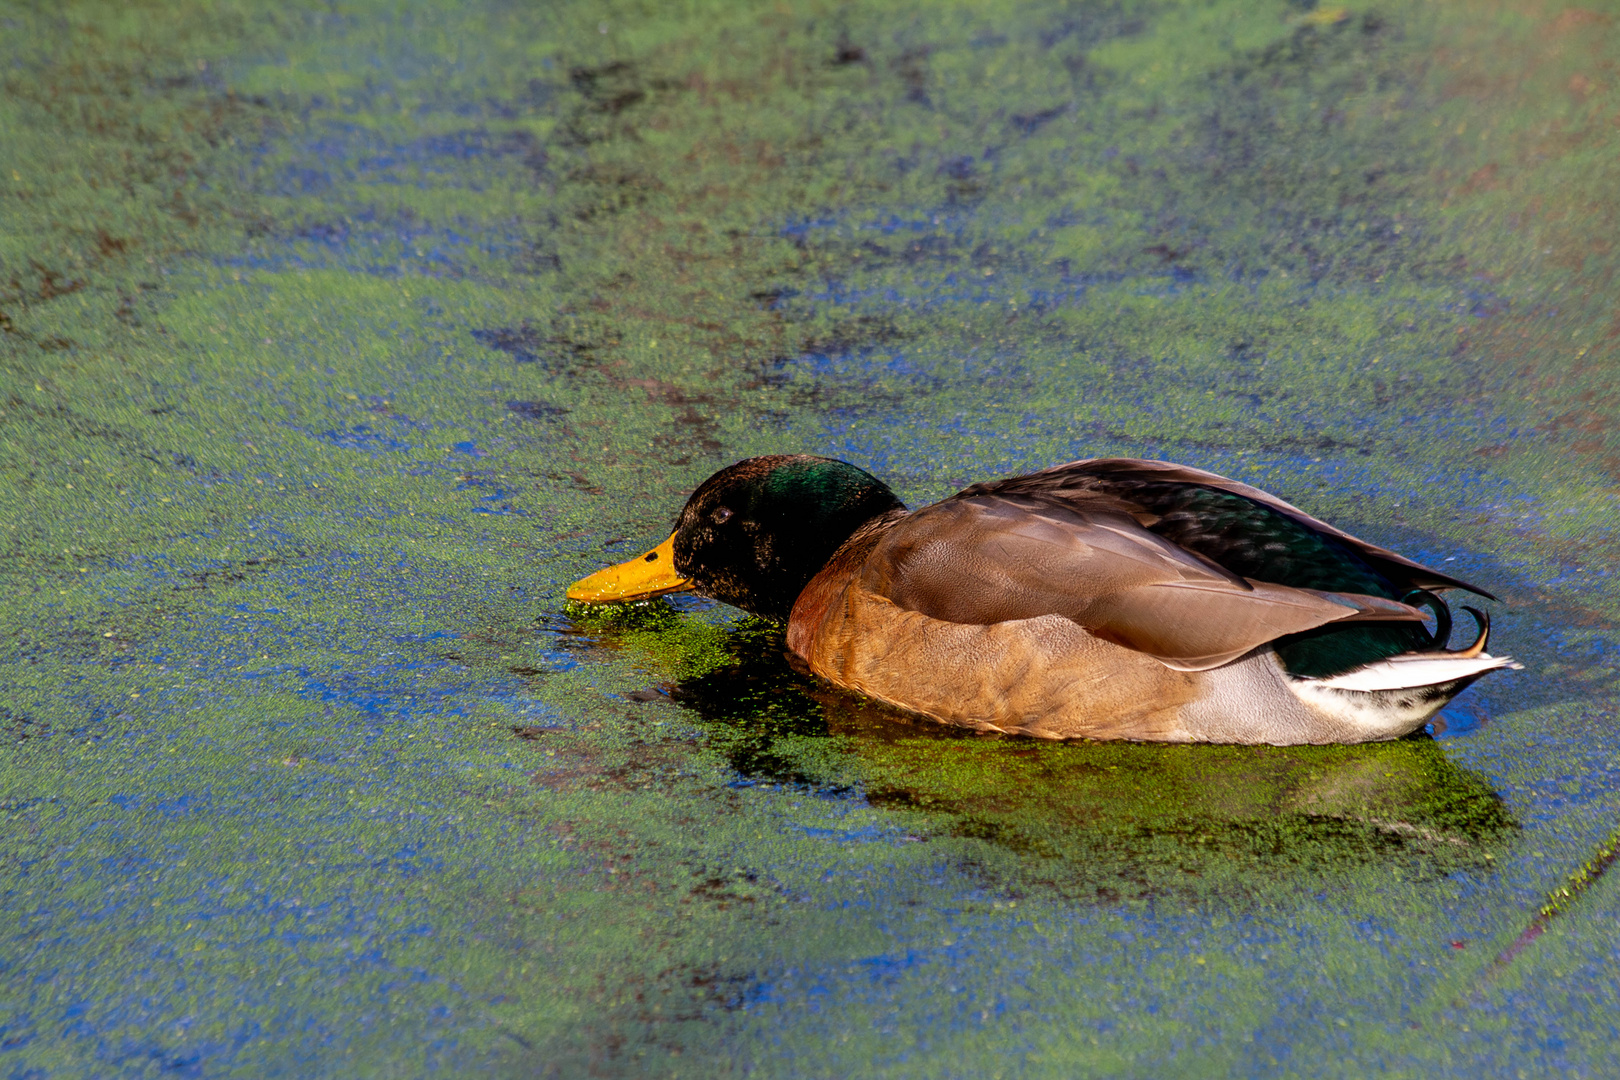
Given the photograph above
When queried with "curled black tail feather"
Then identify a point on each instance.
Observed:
(1442, 614)
(1482, 621)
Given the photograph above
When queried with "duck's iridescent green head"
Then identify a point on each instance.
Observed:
(753, 535)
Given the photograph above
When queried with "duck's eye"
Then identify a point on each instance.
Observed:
(722, 515)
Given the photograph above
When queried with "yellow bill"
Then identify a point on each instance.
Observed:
(644, 576)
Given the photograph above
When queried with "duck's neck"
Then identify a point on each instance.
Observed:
(827, 585)
(802, 550)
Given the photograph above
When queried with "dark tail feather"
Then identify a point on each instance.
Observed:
(1482, 621)
(1442, 614)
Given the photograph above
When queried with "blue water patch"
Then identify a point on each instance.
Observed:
(522, 343)
(528, 712)
(362, 437)
(495, 497)
(352, 154)
(536, 410)
(384, 247)
(416, 639)
(865, 835)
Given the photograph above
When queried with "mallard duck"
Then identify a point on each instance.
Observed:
(1111, 598)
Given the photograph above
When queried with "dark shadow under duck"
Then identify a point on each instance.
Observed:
(1105, 599)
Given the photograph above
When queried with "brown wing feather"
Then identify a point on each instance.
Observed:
(1080, 480)
(990, 558)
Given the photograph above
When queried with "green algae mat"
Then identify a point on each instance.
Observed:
(336, 339)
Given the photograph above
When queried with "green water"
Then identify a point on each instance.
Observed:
(337, 339)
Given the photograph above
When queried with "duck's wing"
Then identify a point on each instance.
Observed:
(1159, 490)
(994, 557)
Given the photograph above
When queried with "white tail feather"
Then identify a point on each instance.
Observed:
(1415, 670)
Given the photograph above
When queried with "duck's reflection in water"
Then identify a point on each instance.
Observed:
(1111, 820)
